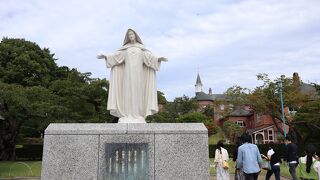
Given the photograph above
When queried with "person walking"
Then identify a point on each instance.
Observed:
(249, 159)
(274, 158)
(291, 157)
(221, 159)
(309, 166)
(238, 172)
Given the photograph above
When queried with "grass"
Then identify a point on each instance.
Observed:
(284, 169)
(213, 139)
(20, 168)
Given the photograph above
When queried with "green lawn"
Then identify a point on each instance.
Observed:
(20, 168)
(11, 169)
(283, 168)
(213, 139)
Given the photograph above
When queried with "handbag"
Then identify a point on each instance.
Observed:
(225, 165)
(266, 165)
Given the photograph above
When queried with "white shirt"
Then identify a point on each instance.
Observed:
(270, 153)
(220, 157)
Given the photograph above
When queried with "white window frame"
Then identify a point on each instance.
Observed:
(240, 122)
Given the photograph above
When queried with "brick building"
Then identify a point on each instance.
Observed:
(261, 127)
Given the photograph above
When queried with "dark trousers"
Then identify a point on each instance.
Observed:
(251, 176)
(292, 170)
(275, 170)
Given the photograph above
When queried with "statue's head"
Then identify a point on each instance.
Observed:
(131, 37)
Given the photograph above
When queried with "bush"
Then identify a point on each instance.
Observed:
(212, 129)
(263, 148)
(194, 117)
(29, 152)
(231, 130)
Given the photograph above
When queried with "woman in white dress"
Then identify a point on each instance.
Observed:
(221, 156)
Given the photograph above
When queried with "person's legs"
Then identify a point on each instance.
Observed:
(252, 176)
(269, 174)
(292, 170)
(248, 176)
(276, 170)
(255, 176)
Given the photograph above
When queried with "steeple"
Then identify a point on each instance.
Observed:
(198, 84)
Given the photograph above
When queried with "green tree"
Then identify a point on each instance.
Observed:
(265, 99)
(194, 117)
(34, 92)
(307, 121)
(232, 130)
(161, 98)
(161, 117)
(180, 106)
(208, 111)
(24, 62)
(19, 105)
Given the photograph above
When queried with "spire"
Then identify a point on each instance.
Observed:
(198, 84)
(198, 80)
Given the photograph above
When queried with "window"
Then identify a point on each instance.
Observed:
(292, 111)
(258, 117)
(240, 123)
(270, 134)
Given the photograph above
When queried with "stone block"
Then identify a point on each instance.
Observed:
(78, 151)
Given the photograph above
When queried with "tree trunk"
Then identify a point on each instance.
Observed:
(8, 137)
(274, 119)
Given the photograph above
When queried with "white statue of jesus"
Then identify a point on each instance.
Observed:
(132, 90)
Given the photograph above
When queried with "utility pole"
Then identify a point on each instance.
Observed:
(282, 109)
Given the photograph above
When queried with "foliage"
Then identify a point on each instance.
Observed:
(231, 130)
(180, 106)
(34, 92)
(265, 99)
(161, 117)
(194, 117)
(215, 135)
(263, 148)
(308, 118)
(208, 111)
(161, 98)
(23, 62)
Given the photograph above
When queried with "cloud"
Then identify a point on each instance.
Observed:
(229, 41)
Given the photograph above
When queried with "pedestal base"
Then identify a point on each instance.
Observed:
(132, 120)
(147, 151)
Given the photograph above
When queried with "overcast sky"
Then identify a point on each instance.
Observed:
(228, 41)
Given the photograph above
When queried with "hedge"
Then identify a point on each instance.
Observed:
(29, 152)
(34, 152)
(263, 148)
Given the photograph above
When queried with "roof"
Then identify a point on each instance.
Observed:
(307, 88)
(261, 128)
(241, 112)
(201, 96)
(198, 80)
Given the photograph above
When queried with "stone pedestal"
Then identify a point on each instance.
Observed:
(165, 151)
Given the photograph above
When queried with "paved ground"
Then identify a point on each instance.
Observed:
(261, 177)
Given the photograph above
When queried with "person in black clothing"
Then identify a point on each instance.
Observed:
(238, 173)
(275, 160)
(291, 157)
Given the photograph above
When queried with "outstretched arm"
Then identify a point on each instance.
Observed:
(101, 56)
(113, 60)
(162, 59)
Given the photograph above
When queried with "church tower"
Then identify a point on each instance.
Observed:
(198, 84)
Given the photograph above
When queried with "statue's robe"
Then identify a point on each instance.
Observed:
(132, 91)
